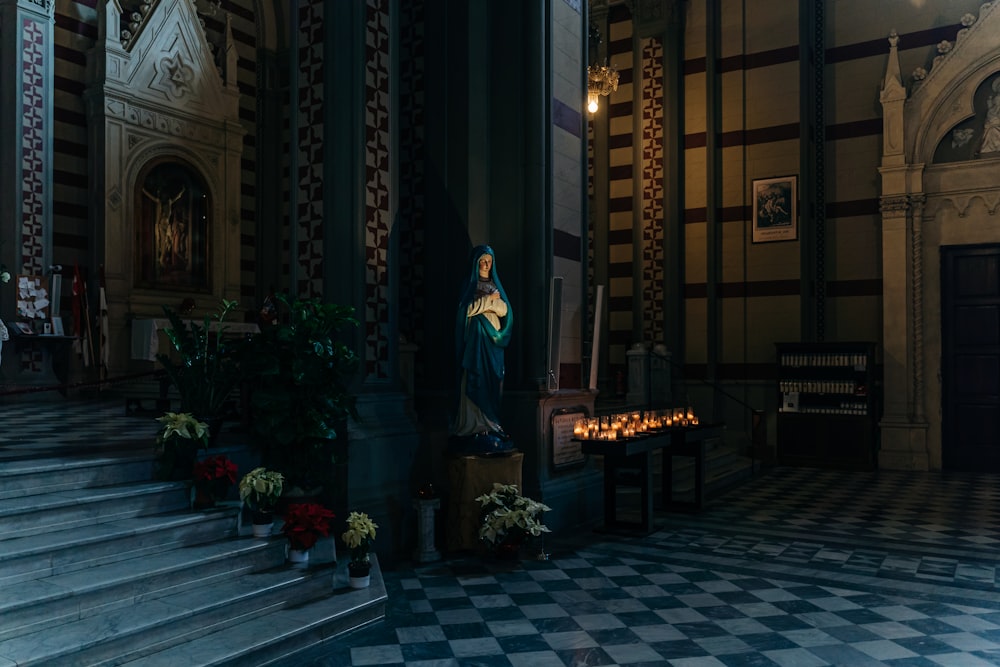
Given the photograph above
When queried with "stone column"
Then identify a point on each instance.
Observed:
(26, 132)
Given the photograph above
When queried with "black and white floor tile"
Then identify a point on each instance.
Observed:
(797, 568)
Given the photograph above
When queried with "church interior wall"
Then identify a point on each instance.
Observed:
(74, 34)
(759, 300)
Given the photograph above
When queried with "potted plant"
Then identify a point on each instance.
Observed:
(206, 371)
(304, 524)
(180, 437)
(298, 373)
(509, 519)
(358, 537)
(212, 478)
(260, 489)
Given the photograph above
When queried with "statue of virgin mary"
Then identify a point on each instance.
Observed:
(482, 332)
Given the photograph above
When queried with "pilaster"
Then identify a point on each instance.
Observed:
(903, 426)
(26, 132)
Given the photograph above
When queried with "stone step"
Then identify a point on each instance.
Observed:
(30, 477)
(35, 605)
(73, 508)
(103, 565)
(130, 632)
(275, 638)
(60, 552)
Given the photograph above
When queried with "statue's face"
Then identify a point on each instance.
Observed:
(485, 264)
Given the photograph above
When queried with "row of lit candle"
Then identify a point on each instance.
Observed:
(630, 424)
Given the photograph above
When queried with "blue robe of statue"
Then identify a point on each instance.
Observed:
(483, 329)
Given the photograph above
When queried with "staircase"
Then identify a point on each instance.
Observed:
(101, 565)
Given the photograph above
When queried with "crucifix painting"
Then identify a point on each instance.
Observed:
(173, 228)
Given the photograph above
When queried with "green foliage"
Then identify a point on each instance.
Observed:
(206, 373)
(299, 374)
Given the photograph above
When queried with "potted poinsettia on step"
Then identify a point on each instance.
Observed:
(212, 478)
(260, 490)
(304, 524)
(180, 437)
(358, 537)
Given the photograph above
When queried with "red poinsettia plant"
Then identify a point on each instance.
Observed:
(215, 468)
(212, 478)
(305, 523)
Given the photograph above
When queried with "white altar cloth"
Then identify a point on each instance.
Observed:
(146, 336)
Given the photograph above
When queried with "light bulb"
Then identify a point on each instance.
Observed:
(592, 104)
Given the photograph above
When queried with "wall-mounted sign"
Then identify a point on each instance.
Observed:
(566, 452)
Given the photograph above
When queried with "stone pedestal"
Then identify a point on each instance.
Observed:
(426, 551)
(468, 478)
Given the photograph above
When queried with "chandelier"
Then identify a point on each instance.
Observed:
(601, 80)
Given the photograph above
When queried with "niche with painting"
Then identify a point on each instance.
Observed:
(173, 228)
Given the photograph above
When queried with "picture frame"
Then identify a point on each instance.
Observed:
(57, 326)
(775, 204)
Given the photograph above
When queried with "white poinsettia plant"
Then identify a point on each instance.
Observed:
(182, 425)
(261, 488)
(359, 536)
(507, 516)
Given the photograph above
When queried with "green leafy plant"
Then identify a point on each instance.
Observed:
(206, 373)
(509, 517)
(299, 373)
(358, 537)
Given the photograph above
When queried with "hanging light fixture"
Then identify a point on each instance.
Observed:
(601, 81)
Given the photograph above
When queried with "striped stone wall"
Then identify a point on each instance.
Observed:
(622, 203)
(759, 293)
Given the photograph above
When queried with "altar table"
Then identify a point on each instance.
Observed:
(637, 452)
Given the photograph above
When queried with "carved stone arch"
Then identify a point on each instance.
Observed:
(952, 106)
(271, 24)
(203, 163)
(945, 91)
(943, 204)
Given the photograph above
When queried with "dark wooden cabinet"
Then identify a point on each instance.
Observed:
(827, 410)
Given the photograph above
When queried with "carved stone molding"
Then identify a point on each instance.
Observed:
(162, 123)
(651, 17)
(961, 202)
(45, 5)
(895, 204)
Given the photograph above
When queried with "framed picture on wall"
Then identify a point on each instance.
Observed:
(775, 209)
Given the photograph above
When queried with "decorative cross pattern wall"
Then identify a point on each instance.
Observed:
(32, 164)
(652, 190)
(310, 146)
(411, 220)
(33, 148)
(377, 194)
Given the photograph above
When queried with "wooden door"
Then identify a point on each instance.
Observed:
(970, 361)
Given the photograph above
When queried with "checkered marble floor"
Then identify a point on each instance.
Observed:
(798, 567)
(52, 424)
